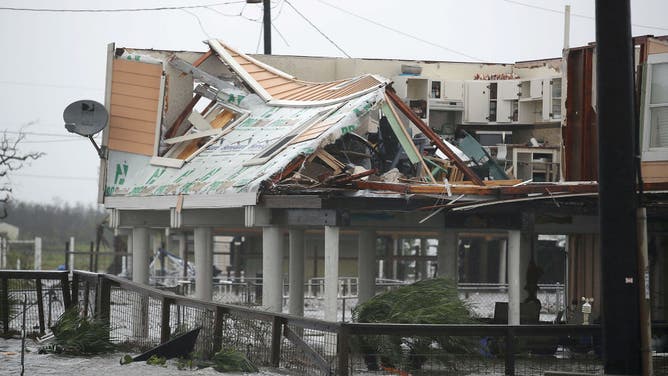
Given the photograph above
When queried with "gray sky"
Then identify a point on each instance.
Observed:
(50, 59)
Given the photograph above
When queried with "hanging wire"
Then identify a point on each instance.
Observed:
(61, 10)
(316, 28)
(199, 21)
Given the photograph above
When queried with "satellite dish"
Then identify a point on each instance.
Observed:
(85, 117)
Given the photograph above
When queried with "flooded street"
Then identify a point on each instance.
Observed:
(59, 365)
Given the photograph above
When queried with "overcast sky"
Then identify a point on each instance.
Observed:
(50, 59)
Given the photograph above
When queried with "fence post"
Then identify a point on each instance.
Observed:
(65, 286)
(165, 330)
(40, 306)
(75, 289)
(510, 350)
(276, 332)
(4, 305)
(343, 350)
(104, 302)
(38, 253)
(218, 321)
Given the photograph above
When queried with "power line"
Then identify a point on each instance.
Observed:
(43, 134)
(316, 28)
(575, 14)
(50, 85)
(60, 10)
(399, 31)
(199, 22)
(54, 177)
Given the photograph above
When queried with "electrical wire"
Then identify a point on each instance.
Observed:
(575, 14)
(53, 177)
(60, 10)
(273, 26)
(50, 85)
(199, 22)
(316, 28)
(259, 38)
(399, 31)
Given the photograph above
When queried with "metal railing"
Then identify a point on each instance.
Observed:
(144, 317)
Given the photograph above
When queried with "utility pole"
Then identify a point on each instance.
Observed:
(617, 189)
(266, 22)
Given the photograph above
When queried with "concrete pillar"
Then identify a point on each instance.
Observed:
(272, 268)
(296, 298)
(203, 263)
(38, 253)
(331, 272)
(525, 256)
(183, 248)
(129, 256)
(447, 256)
(514, 286)
(3, 250)
(421, 265)
(484, 261)
(366, 266)
(503, 244)
(395, 252)
(140, 249)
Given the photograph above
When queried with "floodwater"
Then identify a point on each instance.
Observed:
(59, 365)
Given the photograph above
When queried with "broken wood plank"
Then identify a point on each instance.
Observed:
(184, 114)
(310, 353)
(436, 139)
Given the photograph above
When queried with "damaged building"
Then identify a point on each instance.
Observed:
(320, 176)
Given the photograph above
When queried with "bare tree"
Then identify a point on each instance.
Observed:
(12, 158)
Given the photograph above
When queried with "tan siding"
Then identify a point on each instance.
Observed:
(134, 102)
(136, 79)
(653, 172)
(657, 47)
(130, 147)
(132, 136)
(137, 67)
(135, 92)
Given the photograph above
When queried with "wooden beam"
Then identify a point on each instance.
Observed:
(436, 139)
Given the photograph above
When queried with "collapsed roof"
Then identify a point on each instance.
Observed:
(229, 126)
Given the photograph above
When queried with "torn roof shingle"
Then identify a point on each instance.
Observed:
(273, 85)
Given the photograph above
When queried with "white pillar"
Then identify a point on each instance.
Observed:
(38, 253)
(503, 244)
(331, 272)
(296, 301)
(140, 251)
(448, 249)
(3, 250)
(272, 268)
(129, 256)
(71, 255)
(525, 256)
(182, 252)
(366, 266)
(514, 287)
(203, 263)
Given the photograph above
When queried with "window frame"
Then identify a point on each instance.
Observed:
(651, 153)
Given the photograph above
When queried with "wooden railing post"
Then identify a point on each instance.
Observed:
(75, 289)
(165, 330)
(65, 287)
(510, 351)
(219, 319)
(276, 333)
(343, 350)
(40, 306)
(103, 305)
(4, 305)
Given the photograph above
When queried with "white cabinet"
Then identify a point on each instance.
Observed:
(415, 90)
(453, 90)
(508, 92)
(476, 104)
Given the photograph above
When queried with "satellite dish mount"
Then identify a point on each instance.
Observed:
(86, 118)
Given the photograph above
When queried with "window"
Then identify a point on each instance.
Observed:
(655, 116)
(436, 89)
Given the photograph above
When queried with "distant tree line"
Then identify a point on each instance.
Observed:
(56, 222)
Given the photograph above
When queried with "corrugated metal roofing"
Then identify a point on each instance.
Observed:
(278, 85)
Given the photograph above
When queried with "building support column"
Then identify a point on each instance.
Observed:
(183, 248)
(514, 286)
(296, 272)
(503, 254)
(366, 265)
(203, 263)
(448, 249)
(272, 268)
(526, 245)
(140, 249)
(331, 272)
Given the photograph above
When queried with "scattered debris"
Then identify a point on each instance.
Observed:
(179, 346)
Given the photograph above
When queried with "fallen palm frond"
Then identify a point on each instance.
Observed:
(78, 335)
